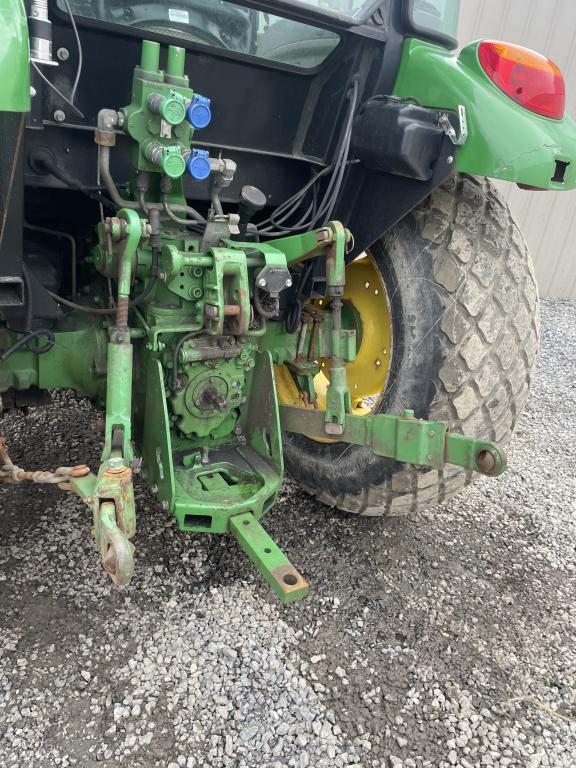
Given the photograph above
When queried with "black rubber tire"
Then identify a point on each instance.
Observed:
(465, 315)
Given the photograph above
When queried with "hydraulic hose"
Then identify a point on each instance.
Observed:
(71, 240)
(168, 210)
(117, 198)
(28, 334)
(121, 202)
(42, 159)
(133, 303)
(25, 342)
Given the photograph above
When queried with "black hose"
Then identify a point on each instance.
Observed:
(25, 342)
(316, 212)
(294, 314)
(151, 283)
(43, 159)
(269, 314)
(297, 196)
(30, 335)
(134, 303)
(80, 307)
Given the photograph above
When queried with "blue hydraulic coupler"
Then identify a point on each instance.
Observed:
(198, 164)
(198, 113)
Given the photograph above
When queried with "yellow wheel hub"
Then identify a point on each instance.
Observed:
(366, 296)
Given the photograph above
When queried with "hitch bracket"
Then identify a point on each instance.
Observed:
(288, 583)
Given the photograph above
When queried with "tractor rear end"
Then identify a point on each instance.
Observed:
(224, 327)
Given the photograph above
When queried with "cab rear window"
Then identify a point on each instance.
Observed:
(435, 16)
(220, 24)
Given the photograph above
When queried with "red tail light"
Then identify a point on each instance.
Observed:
(528, 78)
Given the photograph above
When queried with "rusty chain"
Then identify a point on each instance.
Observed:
(11, 473)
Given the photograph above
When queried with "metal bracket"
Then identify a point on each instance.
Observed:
(267, 556)
(446, 125)
(404, 438)
(111, 498)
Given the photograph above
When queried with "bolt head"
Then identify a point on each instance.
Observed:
(32, 91)
(288, 283)
(116, 462)
(450, 159)
(63, 54)
(59, 116)
(261, 282)
(378, 363)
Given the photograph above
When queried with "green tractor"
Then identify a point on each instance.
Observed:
(261, 234)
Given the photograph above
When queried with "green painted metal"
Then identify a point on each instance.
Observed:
(187, 369)
(204, 481)
(298, 248)
(14, 57)
(404, 438)
(115, 549)
(477, 455)
(338, 399)
(110, 496)
(119, 399)
(114, 515)
(149, 60)
(158, 142)
(272, 563)
(118, 427)
(505, 141)
(224, 381)
(172, 108)
(229, 269)
(76, 361)
(175, 65)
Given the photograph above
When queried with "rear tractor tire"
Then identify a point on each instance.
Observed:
(463, 315)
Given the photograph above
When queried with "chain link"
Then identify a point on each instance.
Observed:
(11, 473)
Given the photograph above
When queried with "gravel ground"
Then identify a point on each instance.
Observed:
(439, 639)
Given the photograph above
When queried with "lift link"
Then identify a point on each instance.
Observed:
(404, 438)
(338, 400)
(111, 493)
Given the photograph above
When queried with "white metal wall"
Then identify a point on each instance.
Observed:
(548, 219)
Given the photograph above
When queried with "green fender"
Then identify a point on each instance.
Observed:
(505, 141)
(14, 57)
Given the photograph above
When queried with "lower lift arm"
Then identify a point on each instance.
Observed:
(404, 438)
